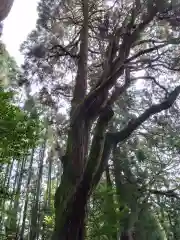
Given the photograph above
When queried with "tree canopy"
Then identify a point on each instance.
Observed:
(18, 130)
(103, 79)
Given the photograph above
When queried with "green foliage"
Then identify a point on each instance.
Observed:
(148, 227)
(49, 214)
(8, 68)
(18, 131)
(148, 161)
(140, 155)
(103, 214)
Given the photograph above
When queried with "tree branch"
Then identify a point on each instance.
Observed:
(107, 80)
(62, 51)
(153, 41)
(100, 149)
(135, 123)
(81, 77)
(120, 90)
(128, 41)
(104, 160)
(169, 193)
(145, 51)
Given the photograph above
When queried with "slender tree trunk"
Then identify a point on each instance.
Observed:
(27, 195)
(126, 236)
(48, 195)
(10, 221)
(14, 220)
(50, 161)
(35, 208)
(18, 189)
(9, 175)
(6, 186)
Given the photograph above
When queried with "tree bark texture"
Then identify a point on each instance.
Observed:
(82, 169)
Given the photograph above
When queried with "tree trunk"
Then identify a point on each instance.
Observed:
(6, 186)
(11, 221)
(82, 171)
(27, 196)
(74, 226)
(72, 194)
(47, 201)
(126, 236)
(35, 208)
(78, 182)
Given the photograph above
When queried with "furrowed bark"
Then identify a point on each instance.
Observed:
(78, 137)
(81, 77)
(71, 212)
(69, 219)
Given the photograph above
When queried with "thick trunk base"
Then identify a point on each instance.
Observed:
(74, 227)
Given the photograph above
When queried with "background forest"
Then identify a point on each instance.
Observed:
(90, 124)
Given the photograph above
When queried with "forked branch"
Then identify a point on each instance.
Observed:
(135, 123)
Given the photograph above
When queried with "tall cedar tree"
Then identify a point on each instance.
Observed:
(106, 43)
